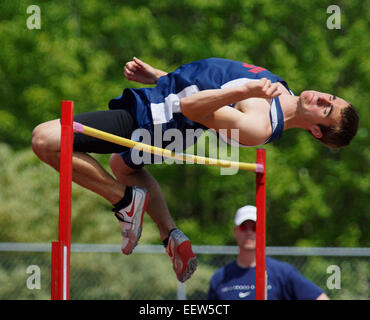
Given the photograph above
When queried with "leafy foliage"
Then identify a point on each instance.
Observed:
(316, 196)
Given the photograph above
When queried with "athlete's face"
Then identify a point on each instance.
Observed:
(323, 107)
(320, 108)
(245, 235)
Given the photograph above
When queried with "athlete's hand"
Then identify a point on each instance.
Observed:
(263, 89)
(139, 71)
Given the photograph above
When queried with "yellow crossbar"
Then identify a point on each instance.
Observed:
(189, 158)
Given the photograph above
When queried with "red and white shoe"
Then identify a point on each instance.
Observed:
(179, 249)
(131, 219)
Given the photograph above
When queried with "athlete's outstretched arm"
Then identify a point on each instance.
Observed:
(139, 71)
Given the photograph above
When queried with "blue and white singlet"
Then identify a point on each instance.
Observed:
(160, 105)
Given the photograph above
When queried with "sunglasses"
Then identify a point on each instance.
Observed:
(245, 227)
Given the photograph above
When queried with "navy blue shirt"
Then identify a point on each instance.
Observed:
(158, 108)
(161, 105)
(232, 282)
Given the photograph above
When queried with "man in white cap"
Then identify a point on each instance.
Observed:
(236, 280)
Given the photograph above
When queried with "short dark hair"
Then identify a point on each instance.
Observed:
(341, 135)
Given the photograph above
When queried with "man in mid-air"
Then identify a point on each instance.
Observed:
(213, 93)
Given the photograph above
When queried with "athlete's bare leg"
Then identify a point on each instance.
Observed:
(87, 172)
(157, 207)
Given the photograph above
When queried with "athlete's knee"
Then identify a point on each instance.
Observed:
(38, 140)
(44, 139)
(116, 163)
(119, 166)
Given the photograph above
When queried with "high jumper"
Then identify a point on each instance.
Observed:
(213, 93)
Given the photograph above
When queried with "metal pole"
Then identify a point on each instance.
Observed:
(61, 250)
(261, 283)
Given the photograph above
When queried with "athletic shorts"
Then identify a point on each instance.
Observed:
(118, 122)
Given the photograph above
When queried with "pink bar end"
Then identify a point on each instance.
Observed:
(78, 127)
(260, 168)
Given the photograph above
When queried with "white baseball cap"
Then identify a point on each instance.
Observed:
(245, 213)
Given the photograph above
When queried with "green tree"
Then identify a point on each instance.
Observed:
(316, 196)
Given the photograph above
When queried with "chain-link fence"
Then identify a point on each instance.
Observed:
(101, 272)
